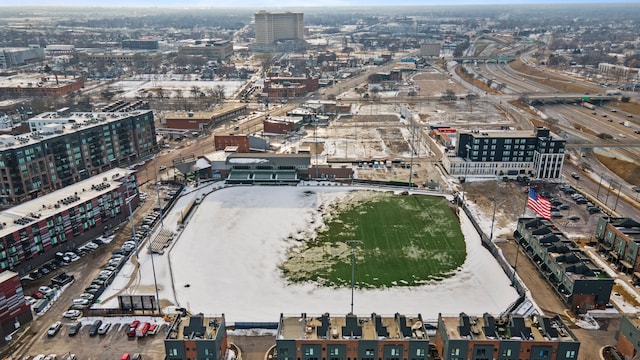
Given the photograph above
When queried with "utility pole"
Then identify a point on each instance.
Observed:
(353, 243)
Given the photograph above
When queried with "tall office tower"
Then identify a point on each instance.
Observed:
(273, 27)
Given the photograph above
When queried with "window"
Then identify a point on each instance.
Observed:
(173, 352)
(334, 351)
(420, 352)
(369, 352)
(571, 354)
(395, 352)
(455, 351)
(506, 352)
(308, 351)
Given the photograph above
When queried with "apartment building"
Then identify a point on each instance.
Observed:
(32, 232)
(65, 148)
(510, 337)
(619, 240)
(579, 281)
(196, 337)
(505, 153)
(374, 337)
(14, 310)
(627, 344)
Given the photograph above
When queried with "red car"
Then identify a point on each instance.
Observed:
(38, 295)
(132, 328)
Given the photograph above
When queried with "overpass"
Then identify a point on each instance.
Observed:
(602, 145)
(486, 59)
(547, 98)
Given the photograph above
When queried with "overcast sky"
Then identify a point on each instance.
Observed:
(285, 3)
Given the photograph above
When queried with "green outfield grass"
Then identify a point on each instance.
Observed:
(407, 240)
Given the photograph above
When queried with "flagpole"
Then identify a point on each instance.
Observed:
(526, 202)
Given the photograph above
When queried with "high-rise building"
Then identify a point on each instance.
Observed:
(273, 27)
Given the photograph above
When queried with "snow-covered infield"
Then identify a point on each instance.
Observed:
(225, 261)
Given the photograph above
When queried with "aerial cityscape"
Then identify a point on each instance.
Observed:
(327, 181)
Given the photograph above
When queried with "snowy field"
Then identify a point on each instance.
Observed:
(225, 261)
(132, 89)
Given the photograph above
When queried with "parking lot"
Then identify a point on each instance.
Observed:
(108, 346)
(90, 267)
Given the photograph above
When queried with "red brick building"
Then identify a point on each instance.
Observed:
(32, 232)
(289, 87)
(14, 310)
(44, 86)
(276, 126)
(241, 141)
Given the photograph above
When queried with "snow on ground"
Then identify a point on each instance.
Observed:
(135, 88)
(225, 261)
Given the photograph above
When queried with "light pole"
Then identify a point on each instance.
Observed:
(353, 243)
(128, 200)
(153, 265)
(466, 171)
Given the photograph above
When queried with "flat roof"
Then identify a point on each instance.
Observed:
(35, 81)
(207, 115)
(45, 206)
(6, 275)
(196, 328)
(373, 327)
(488, 327)
(70, 123)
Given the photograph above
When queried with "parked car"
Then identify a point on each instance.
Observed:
(556, 214)
(564, 207)
(71, 314)
(104, 328)
(87, 296)
(93, 330)
(54, 328)
(80, 302)
(593, 209)
(132, 328)
(75, 328)
(574, 218)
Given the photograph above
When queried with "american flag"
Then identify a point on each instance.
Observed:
(539, 204)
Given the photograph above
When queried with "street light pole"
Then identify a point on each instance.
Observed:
(352, 243)
(128, 200)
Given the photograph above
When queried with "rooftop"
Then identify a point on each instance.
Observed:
(20, 216)
(35, 80)
(514, 327)
(352, 327)
(196, 327)
(69, 123)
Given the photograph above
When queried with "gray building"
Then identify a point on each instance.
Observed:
(12, 57)
(619, 241)
(579, 282)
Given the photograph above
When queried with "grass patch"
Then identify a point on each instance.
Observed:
(629, 171)
(406, 241)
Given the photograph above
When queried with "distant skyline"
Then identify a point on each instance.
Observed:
(289, 3)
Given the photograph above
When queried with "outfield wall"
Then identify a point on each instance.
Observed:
(497, 254)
